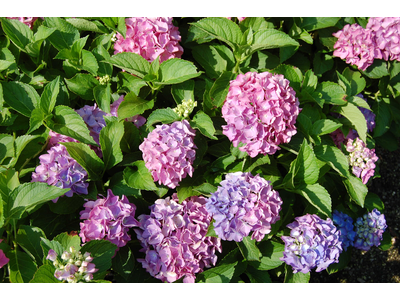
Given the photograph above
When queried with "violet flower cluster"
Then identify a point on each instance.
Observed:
(313, 242)
(361, 159)
(379, 40)
(244, 203)
(345, 225)
(260, 111)
(137, 120)
(150, 38)
(173, 237)
(108, 218)
(169, 152)
(26, 20)
(58, 168)
(369, 230)
(73, 266)
(3, 258)
(93, 116)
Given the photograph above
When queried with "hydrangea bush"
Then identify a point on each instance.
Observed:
(220, 149)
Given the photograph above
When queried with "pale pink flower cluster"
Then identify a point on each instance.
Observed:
(173, 237)
(169, 152)
(150, 38)
(387, 36)
(261, 112)
(26, 20)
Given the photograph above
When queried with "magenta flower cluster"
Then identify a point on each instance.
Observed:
(174, 239)
(313, 242)
(108, 218)
(150, 38)
(379, 40)
(58, 168)
(3, 258)
(244, 203)
(361, 159)
(169, 152)
(260, 111)
(369, 230)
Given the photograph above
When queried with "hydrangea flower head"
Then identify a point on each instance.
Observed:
(58, 168)
(169, 152)
(361, 159)
(369, 230)
(94, 119)
(386, 35)
(345, 225)
(313, 242)
(108, 218)
(173, 237)
(260, 111)
(138, 120)
(73, 266)
(356, 45)
(26, 20)
(244, 203)
(3, 258)
(150, 38)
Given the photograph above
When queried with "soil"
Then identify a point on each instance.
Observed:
(375, 265)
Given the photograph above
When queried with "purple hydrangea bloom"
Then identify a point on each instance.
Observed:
(260, 111)
(313, 242)
(108, 218)
(369, 230)
(361, 159)
(169, 152)
(137, 120)
(94, 119)
(174, 239)
(56, 138)
(345, 225)
(244, 203)
(26, 20)
(58, 168)
(150, 38)
(386, 35)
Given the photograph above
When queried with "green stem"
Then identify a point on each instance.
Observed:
(289, 149)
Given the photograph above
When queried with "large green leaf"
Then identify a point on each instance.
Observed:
(314, 23)
(65, 34)
(249, 249)
(49, 95)
(22, 267)
(356, 189)
(82, 85)
(331, 93)
(219, 274)
(139, 177)
(163, 115)
(318, 196)
(28, 237)
(220, 89)
(305, 168)
(131, 62)
(45, 274)
(110, 139)
(176, 70)
(68, 241)
(356, 118)
(204, 124)
(383, 118)
(335, 158)
(102, 95)
(21, 97)
(269, 39)
(271, 253)
(19, 33)
(123, 262)
(298, 277)
(133, 105)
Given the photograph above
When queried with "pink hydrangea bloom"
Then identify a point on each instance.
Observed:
(150, 38)
(26, 20)
(108, 218)
(386, 35)
(169, 152)
(56, 138)
(174, 239)
(361, 159)
(261, 112)
(138, 120)
(356, 45)
(3, 259)
(58, 168)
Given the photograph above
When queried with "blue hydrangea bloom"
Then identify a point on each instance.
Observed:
(345, 225)
(369, 230)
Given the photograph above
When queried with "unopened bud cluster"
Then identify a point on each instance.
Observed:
(104, 80)
(73, 266)
(185, 108)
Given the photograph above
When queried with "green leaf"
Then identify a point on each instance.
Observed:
(256, 162)
(124, 262)
(68, 241)
(324, 126)
(269, 39)
(22, 268)
(87, 158)
(204, 124)
(356, 118)
(29, 195)
(82, 85)
(335, 158)
(257, 276)
(318, 196)
(36, 119)
(219, 274)
(291, 73)
(89, 62)
(68, 122)
(383, 118)
(130, 83)
(19, 33)
(163, 115)
(132, 106)
(298, 277)
(131, 62)
(310, 82)
(102, 55)
(183, 91)
(220, 89)
(271, 253)
(84, 25)
(47, 245)
(386, 242)
(357, 82)
(6, 146)
(176, 70)
(249, 249)
(305, 168)
(356, 189)
(331, 93)
(205, 188)
(65, 34)
(373, 201)
(49, 95)
(314, 23)
(21, 97)
(28, 237)
(322, 62)
(110, 139)
(139, 177)
(102, 95)
(45, 274)
(378, 69)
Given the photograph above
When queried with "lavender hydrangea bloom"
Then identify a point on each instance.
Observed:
(369, 230)
(174, 239)
(361, 159)
(108, 218)
(94, 119)
(244, 203)
(137, 120)
(345, 225)
(313, 242)
(260, 111)
(58, 168)
(150, 38)
(386, 35)
(169, 152)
